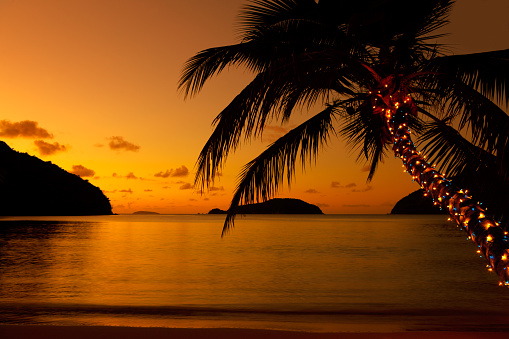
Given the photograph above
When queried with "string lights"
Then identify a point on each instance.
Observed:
(391, 100)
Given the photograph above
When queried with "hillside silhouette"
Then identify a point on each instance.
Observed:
(416, 203)
(30, 186)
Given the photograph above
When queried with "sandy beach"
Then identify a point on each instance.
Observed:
(99, 332)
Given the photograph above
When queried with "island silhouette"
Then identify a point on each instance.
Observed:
(275, 206)
(30, 186)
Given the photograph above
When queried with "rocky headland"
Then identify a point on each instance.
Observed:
(31, 186)
(416, 203)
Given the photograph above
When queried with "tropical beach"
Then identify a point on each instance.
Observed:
(333, 169)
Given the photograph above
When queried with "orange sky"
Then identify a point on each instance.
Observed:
(97, 82)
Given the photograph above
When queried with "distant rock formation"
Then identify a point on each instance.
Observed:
(275, 206)
(30, 186)
(416, 203)
(145, 213)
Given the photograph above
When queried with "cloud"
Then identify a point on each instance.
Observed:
(365, 189)
(23, 129)
(109, 191)
(127, 191)
(163, 174)
(82, 171)
(336, 184)
(215, 189)
(356, 206)
(272, 133)
(46, 148)
(186, 186)
(131, 175)
(118, 143)
(312, 191)
(276, 129)
(181, 171)
(366, 168)
(148, 190)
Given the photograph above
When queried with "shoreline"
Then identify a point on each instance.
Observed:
(99, 332)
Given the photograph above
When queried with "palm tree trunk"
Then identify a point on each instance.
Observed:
(487, 234)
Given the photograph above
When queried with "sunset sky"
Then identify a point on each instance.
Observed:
(91, 85)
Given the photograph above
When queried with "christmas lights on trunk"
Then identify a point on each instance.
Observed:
(391, 100)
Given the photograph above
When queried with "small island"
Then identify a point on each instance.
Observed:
(275, 206)
(145, 213)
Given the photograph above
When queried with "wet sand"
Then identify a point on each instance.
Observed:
(100, 332)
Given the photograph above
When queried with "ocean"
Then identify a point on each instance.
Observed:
(318, 273)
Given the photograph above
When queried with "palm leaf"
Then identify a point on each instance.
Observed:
(260, 178)
(487, 72)
(470, 166)
(485, 121)
(271, 95)
(450, 150)
(264, 13)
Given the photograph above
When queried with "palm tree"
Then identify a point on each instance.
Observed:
(377, 71)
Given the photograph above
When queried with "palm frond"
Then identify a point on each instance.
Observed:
(487, 123)
(265, 13)
(268, 47)
(468, 165)
(450, 150)
(366, 133)
(486, 72)
(271, 95)
(210, 62)
(433, 16)
(261, 178)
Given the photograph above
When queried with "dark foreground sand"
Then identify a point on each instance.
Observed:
(100, 332)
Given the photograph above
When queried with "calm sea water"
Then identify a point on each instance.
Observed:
(315, 273)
